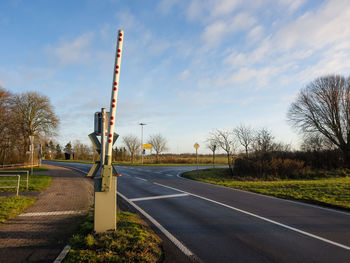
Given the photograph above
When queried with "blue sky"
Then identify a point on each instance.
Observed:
(188, 66)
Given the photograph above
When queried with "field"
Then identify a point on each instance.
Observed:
(332, 192)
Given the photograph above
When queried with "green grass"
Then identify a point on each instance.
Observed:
(13, 206)
(36, 183)
(333, 192)
(72, 161)
(133, 241)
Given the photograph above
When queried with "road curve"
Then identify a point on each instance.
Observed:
(219, 224)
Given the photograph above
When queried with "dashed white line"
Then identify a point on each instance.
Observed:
(263, 218)
(157, 197)
(141, 178)
(53, 213)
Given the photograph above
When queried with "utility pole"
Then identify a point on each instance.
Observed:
(214, 148)
(142, 124)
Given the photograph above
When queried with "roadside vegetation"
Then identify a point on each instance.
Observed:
(133, 241)
(328, 188)
(13, 206)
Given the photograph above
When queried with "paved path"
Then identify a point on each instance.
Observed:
(39, 234)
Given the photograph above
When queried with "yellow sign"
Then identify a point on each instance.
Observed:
(147, 146)
(196, 145)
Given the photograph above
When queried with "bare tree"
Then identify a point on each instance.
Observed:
(5, 123)
(132, 144)
(211, 144)
(33, 115)
(159, 144)
(263, 141)
(245, 136)
(225, 140)
(324, 107)
(315, 142)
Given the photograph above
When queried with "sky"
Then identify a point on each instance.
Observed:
(188, 66)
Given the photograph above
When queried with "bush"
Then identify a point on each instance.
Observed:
(268, 169)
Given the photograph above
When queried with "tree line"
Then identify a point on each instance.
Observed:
(320, 113)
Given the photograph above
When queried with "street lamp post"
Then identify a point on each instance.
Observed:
(142, 124)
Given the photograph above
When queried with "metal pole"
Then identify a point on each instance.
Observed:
(142, 124)
(197, 157)
(103, 136)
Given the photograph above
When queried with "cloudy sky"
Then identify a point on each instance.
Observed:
(188, 66)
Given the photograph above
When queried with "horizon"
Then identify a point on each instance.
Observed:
(188, 67)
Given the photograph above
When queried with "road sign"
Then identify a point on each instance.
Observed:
(147, 146)
(196, 145)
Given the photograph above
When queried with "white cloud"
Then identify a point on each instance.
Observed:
(76, 51)
(165, 6)
(184, 75)
(214, 32)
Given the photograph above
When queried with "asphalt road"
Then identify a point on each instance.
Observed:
(218, 224)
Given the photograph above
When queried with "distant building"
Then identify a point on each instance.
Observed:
(69, 155)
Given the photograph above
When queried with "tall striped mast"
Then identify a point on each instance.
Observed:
(114, 97)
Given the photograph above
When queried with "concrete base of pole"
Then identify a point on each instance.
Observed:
(105, 213)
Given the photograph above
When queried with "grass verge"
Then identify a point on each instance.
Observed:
(133, 241)
(36, 183)
(332, 192)
(13, 206)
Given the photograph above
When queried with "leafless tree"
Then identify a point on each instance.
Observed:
(5, 123)
(263, 141)
(324, 107)
(211, 144)
(81, 151)
(225, 140)
(132, 144)
(159, 144)
(33, 115)
(245, 136)
(315, 142)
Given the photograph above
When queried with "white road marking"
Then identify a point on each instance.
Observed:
(53, 213)
(141, 178)
(169, 175)
(173, 239)
(63, 254)
(263, 218)
(156, 197)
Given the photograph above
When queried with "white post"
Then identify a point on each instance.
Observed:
(18, 180)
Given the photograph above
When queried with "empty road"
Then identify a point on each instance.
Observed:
(217, 224)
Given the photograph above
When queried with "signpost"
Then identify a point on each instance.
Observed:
(196, 145)
(105, 205)
(31, 149)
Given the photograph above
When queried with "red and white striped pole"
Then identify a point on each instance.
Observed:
(113, 106)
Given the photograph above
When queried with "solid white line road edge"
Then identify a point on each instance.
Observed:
(63, 254)
(156, 197)
(173, 239)
(263, 218)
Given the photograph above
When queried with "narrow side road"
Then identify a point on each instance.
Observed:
(41, 232)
